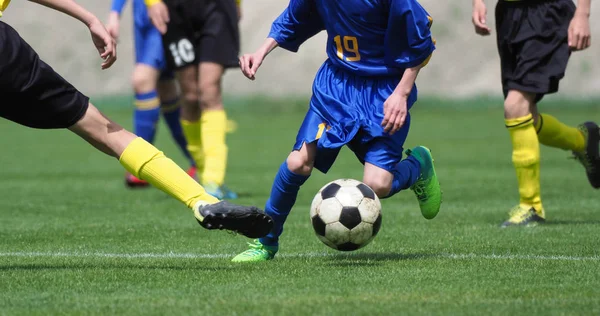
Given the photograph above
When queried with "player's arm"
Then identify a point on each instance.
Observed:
(479, 18)
(114, 16)
(579, 30)
(158, 13)
(104, 43)
(409, 46)
(249, 63)
(298, 22)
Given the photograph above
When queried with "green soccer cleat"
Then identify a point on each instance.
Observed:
(256, 253)
(589, 157)
(246, 220)
(522, 215)
(427, 188)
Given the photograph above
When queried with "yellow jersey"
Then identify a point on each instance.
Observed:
(3, 5)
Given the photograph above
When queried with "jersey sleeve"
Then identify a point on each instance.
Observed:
(117, 6)
(299, 22)
(408, 41)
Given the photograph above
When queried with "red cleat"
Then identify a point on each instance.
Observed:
(133, 182)
(193, 172)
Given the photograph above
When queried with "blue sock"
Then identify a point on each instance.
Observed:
(406, 173)
(283, 196)
(171, 111)
(145, 115)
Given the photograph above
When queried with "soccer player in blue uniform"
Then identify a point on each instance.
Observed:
(154, 84)
(361, 98)
(48, 101)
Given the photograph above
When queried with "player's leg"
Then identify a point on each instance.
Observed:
(217, 48)
(181, 57)
(148, 163)
(146, 109)
(387, 173)
(187, 77)
(583, 141)
(519, 121)
(213, 124)
(290, 176)
(171, 111)
(49, 101)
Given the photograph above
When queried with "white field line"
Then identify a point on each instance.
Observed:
(173, 255)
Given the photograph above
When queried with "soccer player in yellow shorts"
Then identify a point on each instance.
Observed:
(46, 101)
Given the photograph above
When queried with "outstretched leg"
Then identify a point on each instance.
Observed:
(148, 163)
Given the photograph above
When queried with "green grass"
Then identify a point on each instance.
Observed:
(65, 211)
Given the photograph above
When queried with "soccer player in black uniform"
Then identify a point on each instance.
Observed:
(535, 39)
(201, 40)
(40, 98)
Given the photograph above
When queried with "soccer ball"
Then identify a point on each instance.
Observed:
(346, 214)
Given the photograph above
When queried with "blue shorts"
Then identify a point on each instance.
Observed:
(346, 109)
(148, 45)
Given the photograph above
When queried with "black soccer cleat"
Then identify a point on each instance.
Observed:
(589, 157)
(246, 220)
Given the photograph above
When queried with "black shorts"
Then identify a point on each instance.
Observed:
(533, 44)
(202, 31)
(33, 94)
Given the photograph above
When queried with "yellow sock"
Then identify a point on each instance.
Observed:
(552, 132)
(146, 162)
(191, 130)
(214, 127)
(526, 159)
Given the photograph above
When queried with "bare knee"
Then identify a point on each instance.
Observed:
(210, 86)
(518, 104)
(380, 186)
(299, 162)
(144, 79)
(210, 95)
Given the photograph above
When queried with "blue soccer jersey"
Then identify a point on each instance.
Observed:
(365, 37)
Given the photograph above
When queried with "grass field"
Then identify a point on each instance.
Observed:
(73, 240)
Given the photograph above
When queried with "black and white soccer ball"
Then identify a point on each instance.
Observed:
(346, 214)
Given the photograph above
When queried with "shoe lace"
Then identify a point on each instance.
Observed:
(419, 189)
(255, 248)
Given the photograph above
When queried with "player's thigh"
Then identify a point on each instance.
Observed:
(209, 85)
(313, 132)
(34, 94)
(219, 40)
(144, 78)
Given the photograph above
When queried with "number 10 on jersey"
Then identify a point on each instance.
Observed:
(347, 48)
